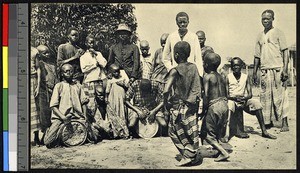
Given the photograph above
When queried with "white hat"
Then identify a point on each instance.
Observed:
(123, 27)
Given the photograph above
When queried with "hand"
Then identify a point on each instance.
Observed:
(109, 76)
(79, 53)
(141, 114)
(106, 100)
(131, 80)
(93, 52)
(152, 116)
(254, 79)
(36, 91)
(66, 119)
(284, 76)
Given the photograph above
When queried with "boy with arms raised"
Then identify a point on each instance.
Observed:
(214, 105)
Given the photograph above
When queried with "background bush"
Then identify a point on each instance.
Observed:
(50, 22)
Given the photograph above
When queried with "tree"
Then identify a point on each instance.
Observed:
(50, 22)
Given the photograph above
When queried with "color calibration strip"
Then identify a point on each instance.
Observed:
(23, 87)
(5, 30)
(13, 86)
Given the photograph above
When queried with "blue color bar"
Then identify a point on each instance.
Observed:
(5, 151)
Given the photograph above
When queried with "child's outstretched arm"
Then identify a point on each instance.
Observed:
(57, 112)
(171, 78)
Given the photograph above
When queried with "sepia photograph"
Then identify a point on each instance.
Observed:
(163, 86)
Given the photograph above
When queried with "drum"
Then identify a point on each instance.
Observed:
(73, 133)
(147, 130)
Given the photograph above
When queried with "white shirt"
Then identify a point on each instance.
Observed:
(88, 65)
(195, 55)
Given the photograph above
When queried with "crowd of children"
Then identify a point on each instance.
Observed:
(112, 95)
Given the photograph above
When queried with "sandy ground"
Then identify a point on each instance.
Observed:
(159, 152)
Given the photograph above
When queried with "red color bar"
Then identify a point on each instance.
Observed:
(5, 25)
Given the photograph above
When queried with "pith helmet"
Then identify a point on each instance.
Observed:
(123, 27)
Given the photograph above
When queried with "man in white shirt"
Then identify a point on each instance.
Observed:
(183, 34)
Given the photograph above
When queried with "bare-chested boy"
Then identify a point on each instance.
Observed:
(214, 105)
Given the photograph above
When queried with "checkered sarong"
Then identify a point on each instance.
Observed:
(34, 116)
(183, 129)
(273, 96)
(90, 92)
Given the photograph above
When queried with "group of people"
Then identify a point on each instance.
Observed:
(177, 87)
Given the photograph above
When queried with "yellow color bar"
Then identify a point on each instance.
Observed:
(5, 66)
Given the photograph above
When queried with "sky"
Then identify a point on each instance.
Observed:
(231, 29)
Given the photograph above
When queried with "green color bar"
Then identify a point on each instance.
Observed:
(5, 109)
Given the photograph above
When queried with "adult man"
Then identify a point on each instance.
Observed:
(125, 54)
(271, 53)
(202, 39)
(240, 99)
(183, 34)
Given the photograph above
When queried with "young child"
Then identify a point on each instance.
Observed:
(183, 126)
(70, 53)
(146, 60)
(239, 100)
(115, 98)
(215, 107)
(47, 83)
(35, 75)
(68, 101)
(92, 65)
(160, 71)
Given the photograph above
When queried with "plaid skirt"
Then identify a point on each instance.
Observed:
(273, 96)
(183, 129)
(34, 116)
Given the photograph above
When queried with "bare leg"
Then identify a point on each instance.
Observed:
(285, 126)
(225, 139)
(224, 155)
(260, 118)
(161, 121)
(132, 121)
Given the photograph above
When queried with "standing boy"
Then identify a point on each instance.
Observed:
(183, 126)
(240, 99)
(92, 65)
(202, 39)
(214, 105)
(70, 53)
(146, 60)
(47, 83)
(160, 71)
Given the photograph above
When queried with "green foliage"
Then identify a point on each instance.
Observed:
(50, 22)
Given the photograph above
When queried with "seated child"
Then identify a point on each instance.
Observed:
(215, 107)
(239, 99)
(68, 101)
(115, 98)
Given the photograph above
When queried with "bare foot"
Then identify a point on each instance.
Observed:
(183, 162)
(222, 158)
(225, 139)
(284, 129)
(268, 135)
